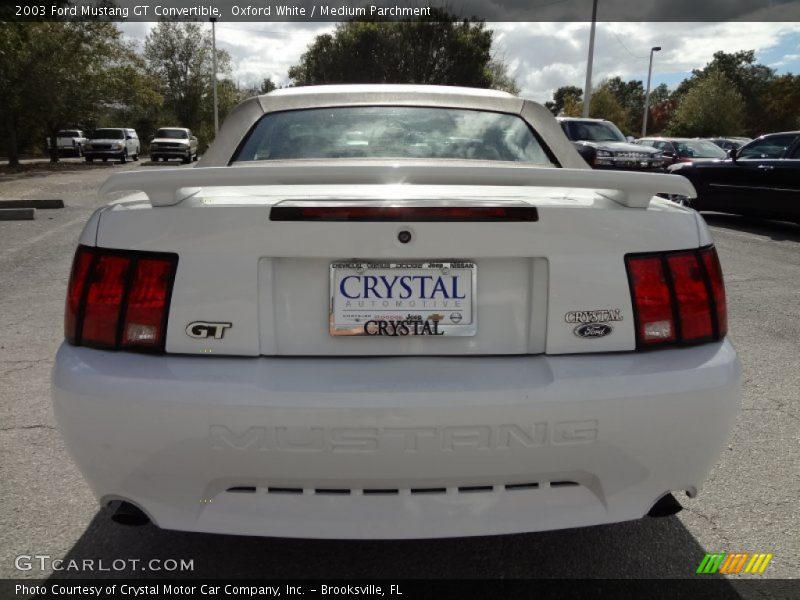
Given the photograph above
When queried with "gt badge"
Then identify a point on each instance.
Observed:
(202, 330)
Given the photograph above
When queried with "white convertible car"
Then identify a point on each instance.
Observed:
(394, 312)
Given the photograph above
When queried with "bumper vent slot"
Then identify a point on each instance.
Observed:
(521, 486)
(242, 489)
(428, 490)
(284, 490)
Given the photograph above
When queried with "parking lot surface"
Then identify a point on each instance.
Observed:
(749, 504)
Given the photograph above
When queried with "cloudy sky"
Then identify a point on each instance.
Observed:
(542, 56)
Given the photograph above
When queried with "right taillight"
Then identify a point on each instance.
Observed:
(119, 299)
(678, 297)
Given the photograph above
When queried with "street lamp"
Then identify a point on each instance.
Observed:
(214, 81)
(653, 50)
(587, 89)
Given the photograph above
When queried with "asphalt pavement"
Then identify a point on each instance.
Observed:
(749, 503)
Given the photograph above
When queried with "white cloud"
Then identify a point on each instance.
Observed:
(549, 55)
(542, 56)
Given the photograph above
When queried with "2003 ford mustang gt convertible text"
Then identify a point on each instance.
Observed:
(394, 312)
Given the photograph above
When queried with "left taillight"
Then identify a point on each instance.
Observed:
(119, 299)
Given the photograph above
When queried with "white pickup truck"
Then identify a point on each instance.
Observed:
(68, 141)
(173, 142)
(394, 312)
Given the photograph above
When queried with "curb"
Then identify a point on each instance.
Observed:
(17, 214)
(4, 204)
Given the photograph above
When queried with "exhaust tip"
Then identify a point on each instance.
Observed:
(666, 506)
(130, 515)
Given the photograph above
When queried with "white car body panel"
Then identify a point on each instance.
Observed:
(172, 433)
(277, 402)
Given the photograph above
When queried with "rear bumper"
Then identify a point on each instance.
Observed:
(103, 153)
(170, 153)
(394, 447)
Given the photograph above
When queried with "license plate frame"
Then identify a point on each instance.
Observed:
(438, 316)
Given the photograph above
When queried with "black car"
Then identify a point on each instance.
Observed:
(603, 146)
(761, 179)
(677, 150)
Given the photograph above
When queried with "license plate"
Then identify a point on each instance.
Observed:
(399, 299)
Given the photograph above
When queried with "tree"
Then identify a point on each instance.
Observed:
(750, 79)
(266, 86)
(179, 56)
(55, 75)
(712, 106)
(630, 97)
(567, 95)
(604, 105)
(781, 102)
(437, 49)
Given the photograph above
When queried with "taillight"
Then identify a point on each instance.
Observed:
(714, 272)
(678, 297)
(119, 299)
(77, 283)
(652, 304)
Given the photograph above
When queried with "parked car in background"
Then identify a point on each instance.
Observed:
(603, 146)
(730, 143)
(173, 142)
(675, 150)
(69, 142)
(112, 142)
(761, 179)
(292, 339)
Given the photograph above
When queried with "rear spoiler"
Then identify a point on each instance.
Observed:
(172, 186)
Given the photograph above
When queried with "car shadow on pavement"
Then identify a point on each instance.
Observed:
(779, 231)
(647, 548)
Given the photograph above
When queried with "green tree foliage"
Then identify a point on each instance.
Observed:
(605, 105)
(630, 98)
(266, 86)
(782, 104)
(435, 50)
(712, 106)
(55, 75)
(179, 57)
(563, 97)
(750, 79)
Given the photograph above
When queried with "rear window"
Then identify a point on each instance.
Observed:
(69, 133)
(393, 132)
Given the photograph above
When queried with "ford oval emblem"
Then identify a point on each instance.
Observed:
(593, 330)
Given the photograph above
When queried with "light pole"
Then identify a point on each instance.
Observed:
(214, 80)
(653, 50)
(587, 89)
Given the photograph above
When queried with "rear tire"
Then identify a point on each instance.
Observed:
(89, 159)
(136, 156)
(195, 157)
